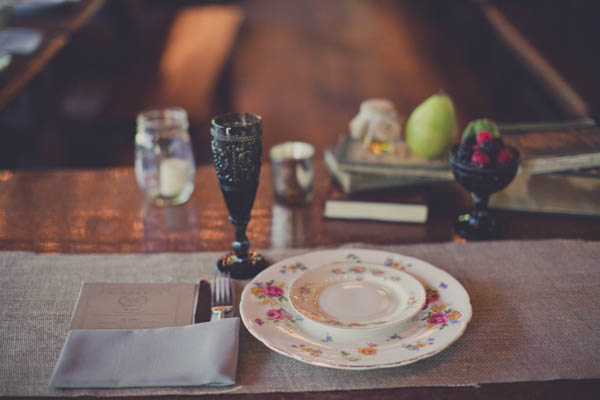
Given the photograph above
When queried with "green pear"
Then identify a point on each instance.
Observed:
(431, 127)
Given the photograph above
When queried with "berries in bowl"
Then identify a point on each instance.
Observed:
(482, 164)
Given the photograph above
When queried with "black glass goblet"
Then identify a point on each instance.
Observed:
(478, 224)
(236, 146)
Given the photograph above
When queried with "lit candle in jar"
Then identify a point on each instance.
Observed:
(173, 176)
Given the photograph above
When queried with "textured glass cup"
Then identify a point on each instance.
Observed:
(237, 148)
(164, 160)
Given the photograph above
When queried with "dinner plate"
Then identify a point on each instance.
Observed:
(355, 295)
(267, 312)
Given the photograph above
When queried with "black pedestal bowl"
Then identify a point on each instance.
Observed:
(478, 224)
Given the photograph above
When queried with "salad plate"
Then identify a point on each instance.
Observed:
(355, 295)
(268, 314)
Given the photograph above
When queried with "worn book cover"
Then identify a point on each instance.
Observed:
(391, 204)
(555, 151)
(551, 193)
(398, 161)
(352, 182)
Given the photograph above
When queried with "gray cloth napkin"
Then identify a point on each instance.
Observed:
(192, 355)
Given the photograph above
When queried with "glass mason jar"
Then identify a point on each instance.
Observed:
(164, 160)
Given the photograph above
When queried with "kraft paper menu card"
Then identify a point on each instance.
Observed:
(134, 305)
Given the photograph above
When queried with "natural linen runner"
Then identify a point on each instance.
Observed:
(535, 317)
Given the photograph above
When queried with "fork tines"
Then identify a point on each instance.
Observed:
(222, 301)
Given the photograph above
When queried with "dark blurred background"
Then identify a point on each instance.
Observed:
(305, 66)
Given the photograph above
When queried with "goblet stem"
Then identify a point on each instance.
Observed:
(480, 205)
(241, 245)
(477, 224)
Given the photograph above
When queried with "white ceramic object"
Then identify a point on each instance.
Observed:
(357, 296)
(377, 119)
(267, 312)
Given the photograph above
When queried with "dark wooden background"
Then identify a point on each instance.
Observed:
(304, 66)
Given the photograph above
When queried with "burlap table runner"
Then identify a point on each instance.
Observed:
(535, 317)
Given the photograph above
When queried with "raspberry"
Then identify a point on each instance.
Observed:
(504, 156)
(484, 136)
(480, 159)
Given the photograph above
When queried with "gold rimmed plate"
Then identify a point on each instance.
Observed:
(267, 312)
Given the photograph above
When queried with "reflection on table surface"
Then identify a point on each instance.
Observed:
(82, 211)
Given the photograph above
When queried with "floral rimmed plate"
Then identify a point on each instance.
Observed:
(266, 311)
(353, 295)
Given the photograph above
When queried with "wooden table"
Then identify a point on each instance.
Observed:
(102, 211)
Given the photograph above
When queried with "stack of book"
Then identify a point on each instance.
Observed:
(566, 151)
(559, 171)
(355, 169)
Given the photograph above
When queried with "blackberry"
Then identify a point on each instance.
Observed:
(497, 146)
(470, 141)
(464, 153)
(487, 148)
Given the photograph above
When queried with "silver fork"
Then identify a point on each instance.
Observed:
(222, 298)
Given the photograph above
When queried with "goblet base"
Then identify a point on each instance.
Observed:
(470, 227)
(242, 268)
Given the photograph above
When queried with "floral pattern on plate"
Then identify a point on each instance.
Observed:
(439, 315)
(269, 293)
(441, 322)
(293, 268)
